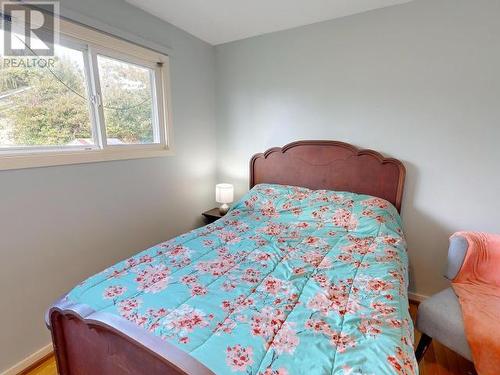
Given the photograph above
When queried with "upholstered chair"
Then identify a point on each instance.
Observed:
(440, 316)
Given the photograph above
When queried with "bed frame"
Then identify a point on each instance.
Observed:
(91, 343)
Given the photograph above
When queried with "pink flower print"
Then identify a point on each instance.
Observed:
(394, 323)
(228, 285)
(240, 303)
(272, 285)
(128, 306)
(321, 303)
(318, 326)
(401, 362)
(299, 195)
(343, 218)
(140, 320)
(273, 229)
(375, 202)
(251, 276)
(389, 240)
(378, 285)
(198, 290)
(259, 241)
(269, 371)
(321, 279)
(389, 256)
(370, 327)
(227, 305)
(261, 256)
(398, 276)
(218, 266)
(337, 339)
(346, 258)
(367, 212)
(313, 258)
(250, 203)
(189, 279)
(311, 240)
(238, 357)
(229, 237)
(336, 198)
(118, 273)
(382, 308)
(266, 323)
(158, 313)
(208, 243)
(299, 270)
(360, 246)
(179, 250)
(146, 259)
(325, 263)
(153, 279)
(336, 298)
(113, 291)
(227, 326)
(342, 341)
(185, 319)
(286, 340)
(268, 210)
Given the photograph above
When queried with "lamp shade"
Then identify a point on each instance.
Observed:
(224, 193)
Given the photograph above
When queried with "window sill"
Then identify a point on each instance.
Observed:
(45, 159)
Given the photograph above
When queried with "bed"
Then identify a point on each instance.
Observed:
(307, 273)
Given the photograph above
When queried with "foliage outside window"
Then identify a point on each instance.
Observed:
(89, 98)
(37, 109)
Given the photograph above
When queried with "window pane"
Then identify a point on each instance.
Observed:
(127, 101)
(45, 102)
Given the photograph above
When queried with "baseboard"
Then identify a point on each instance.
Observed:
(29, 361)
(417, 297)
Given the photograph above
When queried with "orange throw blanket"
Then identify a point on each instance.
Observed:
(477, 286)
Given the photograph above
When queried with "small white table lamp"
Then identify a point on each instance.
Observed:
(224, 195)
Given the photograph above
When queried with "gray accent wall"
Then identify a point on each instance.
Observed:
(59, 225)
(419, 82)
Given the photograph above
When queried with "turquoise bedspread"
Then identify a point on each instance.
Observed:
(290, 281)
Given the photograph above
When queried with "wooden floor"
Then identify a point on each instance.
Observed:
(46, 367)
(437, 361)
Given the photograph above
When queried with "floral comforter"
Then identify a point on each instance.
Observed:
(290, 281)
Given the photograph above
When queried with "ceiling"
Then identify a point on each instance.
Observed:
(221, 21)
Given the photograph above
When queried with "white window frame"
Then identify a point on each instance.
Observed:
(99, 43)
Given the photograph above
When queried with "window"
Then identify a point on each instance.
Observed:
(97, 98)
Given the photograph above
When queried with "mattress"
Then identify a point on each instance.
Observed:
(290, 281)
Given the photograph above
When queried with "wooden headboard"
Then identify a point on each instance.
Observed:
(330, 165)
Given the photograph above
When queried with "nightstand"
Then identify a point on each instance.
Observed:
(212, 215)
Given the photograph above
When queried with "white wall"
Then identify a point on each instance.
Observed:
(419, 82)
(59, 225)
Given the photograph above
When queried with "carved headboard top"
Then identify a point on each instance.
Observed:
(330, 165)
